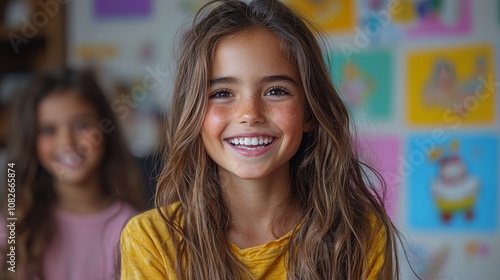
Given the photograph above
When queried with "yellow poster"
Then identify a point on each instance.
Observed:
(406, 13)
(451, 86)
(96, 51)
(329, 15)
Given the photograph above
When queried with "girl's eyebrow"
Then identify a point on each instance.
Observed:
(224, 80)
(83, 115)
(279, 78)
(266, 79)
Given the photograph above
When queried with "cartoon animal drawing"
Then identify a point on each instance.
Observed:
(442, 89)
(445, 11)
(454, 190)
(357, 86)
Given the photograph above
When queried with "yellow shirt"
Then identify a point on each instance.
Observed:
(143, 252)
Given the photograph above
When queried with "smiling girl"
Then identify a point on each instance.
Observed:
(261, 180)
(76, 183)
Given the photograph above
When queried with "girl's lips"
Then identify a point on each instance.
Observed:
(251, 142)
(70, 160)
(251, 146)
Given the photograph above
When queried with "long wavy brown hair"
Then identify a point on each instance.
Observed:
(35, 194)
(337, 203)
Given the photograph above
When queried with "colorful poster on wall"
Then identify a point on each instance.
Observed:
(330, 16)
(376, 21)
(105, 9)
(451, 86)
(383, 153)
(434, 17)
(95, 51)
(453, 182)
(364, 85)
(496, 82)
(477, 249)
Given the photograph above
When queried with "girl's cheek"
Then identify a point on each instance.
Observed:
(43, 150)
(288, 113)
(216, 115)
(42, 144)
(291, 110)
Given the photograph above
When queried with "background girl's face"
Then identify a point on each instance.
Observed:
(256, 109)
(69, 142)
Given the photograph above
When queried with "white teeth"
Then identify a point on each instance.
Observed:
(253, 141)
(70, 159)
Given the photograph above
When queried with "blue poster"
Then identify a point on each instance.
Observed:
(453, 181)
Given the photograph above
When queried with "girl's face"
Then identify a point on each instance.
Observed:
(256, 109)
(69, 142)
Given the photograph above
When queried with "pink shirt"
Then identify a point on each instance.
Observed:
(86, 246)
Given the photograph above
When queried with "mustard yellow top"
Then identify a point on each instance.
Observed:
(143, 252)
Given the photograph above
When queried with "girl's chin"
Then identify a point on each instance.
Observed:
(71, 175)
(248, 175)
(72, 180)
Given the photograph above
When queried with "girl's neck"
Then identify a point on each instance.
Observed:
(83, 198)
(254, 206)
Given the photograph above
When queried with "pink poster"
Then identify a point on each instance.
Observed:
(450, 17)
(382, 153)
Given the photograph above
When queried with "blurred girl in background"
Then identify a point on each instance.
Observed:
(76, 182)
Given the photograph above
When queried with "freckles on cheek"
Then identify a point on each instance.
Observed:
(215, 116)
(289, 113)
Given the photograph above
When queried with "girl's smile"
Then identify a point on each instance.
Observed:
(70, 159)
(256, 110)
(252, 144)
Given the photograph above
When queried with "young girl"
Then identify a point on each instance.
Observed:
(260, 178)
(76, 184)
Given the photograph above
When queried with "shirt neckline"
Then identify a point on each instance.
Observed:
(95, 217)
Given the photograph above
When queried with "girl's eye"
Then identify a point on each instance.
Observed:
(221, 94)
(81, 125)
(277, 91)
(47, 130)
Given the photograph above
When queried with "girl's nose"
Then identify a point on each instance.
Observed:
(250, 111)
(66, 138)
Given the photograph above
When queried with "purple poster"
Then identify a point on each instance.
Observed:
(122, 8)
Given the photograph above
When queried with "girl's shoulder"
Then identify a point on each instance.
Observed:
(147, 246)
(153, 215)
(125, 209)
(150, 222)
(117, 211)
(146, 237)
